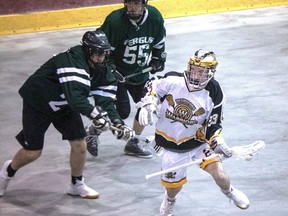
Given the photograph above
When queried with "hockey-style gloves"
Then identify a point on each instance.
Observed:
(100, 119)
(147, 107)
(121, 131)
(157, 64)
(219, 146)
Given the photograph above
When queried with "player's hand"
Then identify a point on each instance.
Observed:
(143, 118)
(157, 64)
(220, 147)
(147, 107)
(121, 131)
(100, 119)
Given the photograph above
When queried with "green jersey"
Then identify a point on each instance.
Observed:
(103, 89)
(134, 44)
(61, 84)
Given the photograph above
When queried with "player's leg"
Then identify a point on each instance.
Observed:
(134, 146)
(215, 168)
(172, 181)
(31, 138)
(77, 162)
(122, 101)
(71, 127)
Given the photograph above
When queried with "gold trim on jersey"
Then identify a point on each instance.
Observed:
(171, 139)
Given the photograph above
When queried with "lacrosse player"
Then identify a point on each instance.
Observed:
(189, 126)
(137, 34)
(58, 93)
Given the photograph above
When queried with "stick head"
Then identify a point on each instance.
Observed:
(247, 152)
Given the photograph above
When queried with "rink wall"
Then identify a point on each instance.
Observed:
(94, 16)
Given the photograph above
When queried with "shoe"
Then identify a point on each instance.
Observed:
(92, 140)
(81, 189)
(4, 179)
(166, 208)
(134, 147)
(239, 198)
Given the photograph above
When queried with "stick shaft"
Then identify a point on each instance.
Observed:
(237, 150)
(146, 70)
(181, 166)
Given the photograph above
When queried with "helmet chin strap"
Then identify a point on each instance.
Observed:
(139, 18)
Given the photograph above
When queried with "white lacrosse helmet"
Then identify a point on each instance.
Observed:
(200, 70)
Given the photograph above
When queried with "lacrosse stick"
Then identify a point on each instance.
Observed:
(246, 152)
(241, 152)
(195, 162)
(124, 79)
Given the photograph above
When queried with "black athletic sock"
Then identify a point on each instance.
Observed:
(74, 178)
(11, 172)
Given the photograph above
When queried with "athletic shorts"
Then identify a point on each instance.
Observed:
(171, 159)
(36, 123)
(123, 102)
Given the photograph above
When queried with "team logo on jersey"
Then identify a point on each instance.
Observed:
(139, 40)
(170, 175)
(183, 111)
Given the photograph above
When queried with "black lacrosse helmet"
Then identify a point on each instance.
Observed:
(95, 42)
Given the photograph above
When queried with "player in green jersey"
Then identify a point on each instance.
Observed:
(58, 93)
(137, 35)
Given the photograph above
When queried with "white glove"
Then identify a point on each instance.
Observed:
(147, 107)
(220, 147)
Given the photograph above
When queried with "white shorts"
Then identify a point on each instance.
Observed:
(171, 159)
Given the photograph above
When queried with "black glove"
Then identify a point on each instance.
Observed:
(121, 131)
(157, 64)
(100, 119)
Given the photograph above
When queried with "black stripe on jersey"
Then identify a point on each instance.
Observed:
(183, 147)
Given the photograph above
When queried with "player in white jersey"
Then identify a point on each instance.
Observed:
(189, 126)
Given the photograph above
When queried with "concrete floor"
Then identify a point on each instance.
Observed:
(252, 49)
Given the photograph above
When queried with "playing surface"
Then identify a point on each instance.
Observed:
(251, 47)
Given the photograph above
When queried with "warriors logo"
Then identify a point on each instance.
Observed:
(183, 111)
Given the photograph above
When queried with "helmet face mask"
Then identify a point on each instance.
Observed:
(200, 70)
(135, 8)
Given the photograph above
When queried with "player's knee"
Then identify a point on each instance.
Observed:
(32, 155)
(220, 177)
(78, 146)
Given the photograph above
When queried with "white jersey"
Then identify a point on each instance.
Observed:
(186, 119)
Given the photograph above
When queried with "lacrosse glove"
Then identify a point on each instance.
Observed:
(121, 131)
(157, 65)
(100, 119)
(147, 107)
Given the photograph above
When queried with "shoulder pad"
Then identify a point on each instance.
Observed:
(173, 73)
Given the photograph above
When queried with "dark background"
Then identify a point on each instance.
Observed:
(28, 6)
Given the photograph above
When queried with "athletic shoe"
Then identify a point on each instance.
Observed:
(92, 140)
(81, 189)
(135, 148)
(4, 179)
(239, 198)
(166, 208)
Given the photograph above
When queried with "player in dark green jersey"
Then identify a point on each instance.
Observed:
(58, 93)
(137, 34)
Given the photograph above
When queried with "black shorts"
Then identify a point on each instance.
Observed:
(36, 123)
(123, 103)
